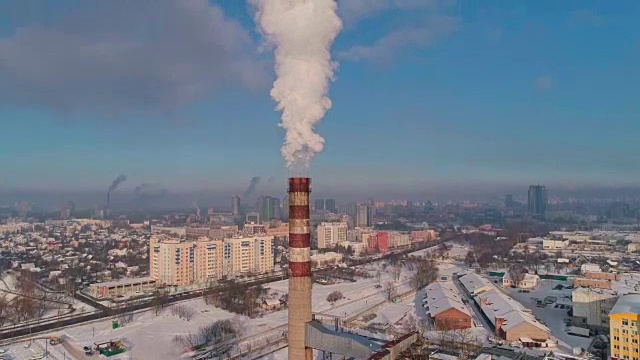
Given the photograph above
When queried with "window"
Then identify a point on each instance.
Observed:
(625, 322)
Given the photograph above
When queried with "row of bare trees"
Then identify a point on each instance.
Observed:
(28, 303)
(212, 334)
(237, 298)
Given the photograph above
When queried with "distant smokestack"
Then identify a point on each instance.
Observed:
(299, 268)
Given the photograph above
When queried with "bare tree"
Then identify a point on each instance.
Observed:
(390, 290)
(183, 312)
(410, 324)
(208, 290)
(5, 309)
(397, 271)
(516, 274)
(334, 296)
(160, 298)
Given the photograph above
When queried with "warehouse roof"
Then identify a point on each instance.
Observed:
(443, 296)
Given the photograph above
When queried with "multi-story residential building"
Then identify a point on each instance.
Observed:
(252, 218)
(331, 234)
(172, 261)
(248, 255)
(397, 239)
(254, 229)
(175, 262)
(423, 235)
(318, 204)
(623, 328)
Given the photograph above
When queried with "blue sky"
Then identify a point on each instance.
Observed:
(428, 94)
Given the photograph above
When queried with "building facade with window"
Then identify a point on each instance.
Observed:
(175, 262)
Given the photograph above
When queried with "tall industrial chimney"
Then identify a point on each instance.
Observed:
(299, 268)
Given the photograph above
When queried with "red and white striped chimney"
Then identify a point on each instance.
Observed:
(299, 267)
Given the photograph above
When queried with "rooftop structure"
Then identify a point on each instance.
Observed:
(445, 307)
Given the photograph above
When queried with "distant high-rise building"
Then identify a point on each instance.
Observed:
(269, 208)
(330, 205)
(65, 213)
(508, 201)
(364, 215)
(318, 204)
(235, 205)
(350, 209)
(285, 208)
(537, 200)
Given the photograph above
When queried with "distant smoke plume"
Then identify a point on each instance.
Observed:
(255, 181)
(196, 207)
(119, 180)
(302, 32)
(150, 191)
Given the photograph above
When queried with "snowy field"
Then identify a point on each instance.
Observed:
(551, 316)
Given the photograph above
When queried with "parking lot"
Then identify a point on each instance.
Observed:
(550, 303)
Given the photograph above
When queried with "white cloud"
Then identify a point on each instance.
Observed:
(138, 55)
(544, 83)
(384, 49)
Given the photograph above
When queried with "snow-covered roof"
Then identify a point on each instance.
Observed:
(474, 282)
(495, 305)
(627, 304)
(443, 296)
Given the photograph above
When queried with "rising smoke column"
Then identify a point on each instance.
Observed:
(114, 185)
(301, 31)
(255, 181)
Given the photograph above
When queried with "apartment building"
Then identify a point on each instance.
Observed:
(247, 255)
(623, 324)
(175, 262)
(331, 234)
(172, 261)
(397, 239)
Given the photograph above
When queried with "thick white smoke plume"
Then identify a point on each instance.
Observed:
(301, 32)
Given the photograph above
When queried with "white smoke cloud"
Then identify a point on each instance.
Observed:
(301, 32)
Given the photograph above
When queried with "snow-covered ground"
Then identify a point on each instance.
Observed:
(552, 317)
(150, 337)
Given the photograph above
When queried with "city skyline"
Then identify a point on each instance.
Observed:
(424, 123)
